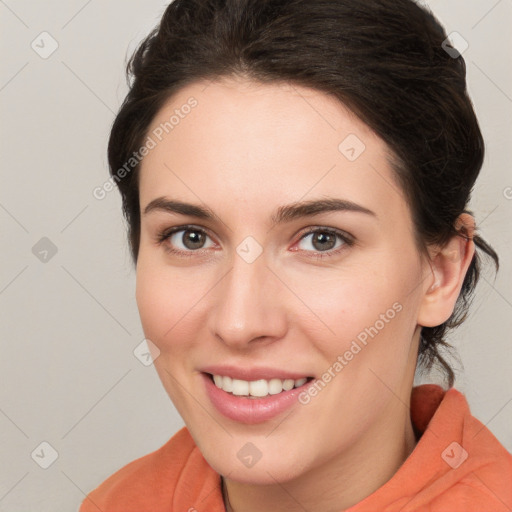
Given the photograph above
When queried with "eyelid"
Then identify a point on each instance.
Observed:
(327, 229)
(182, 227)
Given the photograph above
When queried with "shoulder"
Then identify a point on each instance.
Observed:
(474, 470)
(147, 481)
(488, 471)
(457, 463)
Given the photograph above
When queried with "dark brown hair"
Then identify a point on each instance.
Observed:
(386, 60)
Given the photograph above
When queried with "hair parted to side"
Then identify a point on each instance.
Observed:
(383, 59)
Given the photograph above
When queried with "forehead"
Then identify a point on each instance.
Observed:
(239, 139)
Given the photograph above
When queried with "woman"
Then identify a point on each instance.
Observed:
(295, 175)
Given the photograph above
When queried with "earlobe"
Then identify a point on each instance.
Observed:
(447, 269)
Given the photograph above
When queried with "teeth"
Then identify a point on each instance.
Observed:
(227, 384)
(290, 384)
(257, 388)
(240, 387)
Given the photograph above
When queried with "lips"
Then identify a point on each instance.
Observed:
(253, 373)
(252, 395)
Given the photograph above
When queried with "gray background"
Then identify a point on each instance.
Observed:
(69, 320)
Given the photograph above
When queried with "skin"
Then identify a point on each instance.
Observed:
(245, 150)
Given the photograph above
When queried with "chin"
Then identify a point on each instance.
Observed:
(250, 459)
(262, 473)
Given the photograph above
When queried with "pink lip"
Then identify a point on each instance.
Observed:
(250, 410)
(254, 373)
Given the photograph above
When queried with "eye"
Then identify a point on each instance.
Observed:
(184, 240)
(187, 240)
(325, 241)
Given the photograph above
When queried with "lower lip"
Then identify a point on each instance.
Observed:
(250, 410)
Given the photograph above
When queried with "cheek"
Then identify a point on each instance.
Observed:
(368, 310)
(342, 301)
(162, 302)
(151, 295)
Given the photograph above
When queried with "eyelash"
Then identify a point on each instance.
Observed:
(348, 240)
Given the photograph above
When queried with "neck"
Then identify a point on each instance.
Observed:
(339, 483)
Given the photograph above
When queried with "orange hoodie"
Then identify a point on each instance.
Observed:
(457, 465)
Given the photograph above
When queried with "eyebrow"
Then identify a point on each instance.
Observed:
(285, 213)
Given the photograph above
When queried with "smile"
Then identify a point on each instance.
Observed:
(256, 388)
(256, 400)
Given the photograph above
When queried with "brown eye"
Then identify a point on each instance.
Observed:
(323, 240)
(185, 240)
(192, 239)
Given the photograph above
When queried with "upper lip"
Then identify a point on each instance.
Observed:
(252, 373)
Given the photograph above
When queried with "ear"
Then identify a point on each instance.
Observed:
(447, 268)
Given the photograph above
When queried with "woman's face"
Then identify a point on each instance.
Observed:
(250, 294)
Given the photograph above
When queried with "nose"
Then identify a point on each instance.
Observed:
(248, 305)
